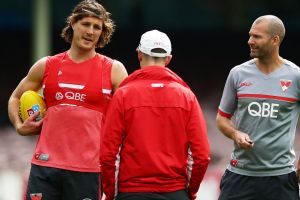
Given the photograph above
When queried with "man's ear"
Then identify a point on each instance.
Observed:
(168, 60)
(139, 54)
(72, 24)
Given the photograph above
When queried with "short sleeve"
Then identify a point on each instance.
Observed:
(229, 97)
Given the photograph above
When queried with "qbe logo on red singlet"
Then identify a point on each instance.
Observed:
(77, 96)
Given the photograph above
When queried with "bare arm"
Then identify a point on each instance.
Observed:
(32, 81)
(226, 126)
(118, 74)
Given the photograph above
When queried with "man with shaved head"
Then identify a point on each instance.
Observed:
(259, 110)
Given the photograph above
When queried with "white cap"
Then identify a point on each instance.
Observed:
(155, 39)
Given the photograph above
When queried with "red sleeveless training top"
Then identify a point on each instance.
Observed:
(76, 96)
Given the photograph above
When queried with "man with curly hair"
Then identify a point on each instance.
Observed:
(77, 86)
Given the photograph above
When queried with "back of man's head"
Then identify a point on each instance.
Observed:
(155, 44)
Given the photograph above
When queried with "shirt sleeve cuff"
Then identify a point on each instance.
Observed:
(224, 114)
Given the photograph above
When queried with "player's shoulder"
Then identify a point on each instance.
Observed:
(118, 65)
(248, 65)
(58, 55)
(54, 58)
(290, 65)
(111, 63)
(39, 64)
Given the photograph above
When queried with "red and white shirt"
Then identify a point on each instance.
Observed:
(76, 96)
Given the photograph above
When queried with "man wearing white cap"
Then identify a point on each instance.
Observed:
(156, 126)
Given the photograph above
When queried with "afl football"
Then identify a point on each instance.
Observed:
(31, 102)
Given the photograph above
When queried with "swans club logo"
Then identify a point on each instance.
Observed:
(285, 84)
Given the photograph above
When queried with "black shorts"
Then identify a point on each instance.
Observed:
(238, 187)
(48, 183)
(177, 195)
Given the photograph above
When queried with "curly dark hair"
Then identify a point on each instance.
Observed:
(90, 8)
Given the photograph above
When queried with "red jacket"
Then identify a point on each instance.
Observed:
(155, 123)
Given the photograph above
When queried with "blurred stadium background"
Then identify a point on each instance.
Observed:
(208, 37)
